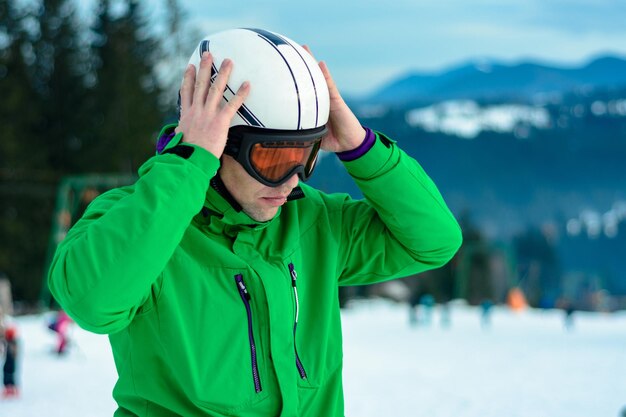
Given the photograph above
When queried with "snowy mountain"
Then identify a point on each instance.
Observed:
(489, 80)
(515, 165)
(510, 163)
(466, 119)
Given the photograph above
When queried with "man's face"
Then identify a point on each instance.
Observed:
(258, 200)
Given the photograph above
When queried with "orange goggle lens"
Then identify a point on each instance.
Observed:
(274, 161)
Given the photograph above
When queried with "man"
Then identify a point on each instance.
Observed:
(216, 274)
(10, 363)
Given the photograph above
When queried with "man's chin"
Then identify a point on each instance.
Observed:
(262, 215)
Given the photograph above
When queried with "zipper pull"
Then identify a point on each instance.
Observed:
(294, 274)
(242, 287)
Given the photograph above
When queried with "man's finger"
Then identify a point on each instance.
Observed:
(306, 48)
(332, 87)
(203, 78)
(186, 89)
(219, 84)
(237, 100)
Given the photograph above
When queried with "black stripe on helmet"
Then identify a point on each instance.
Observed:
(312, 82)
(269, 36)
(244, 112)
(274, 40)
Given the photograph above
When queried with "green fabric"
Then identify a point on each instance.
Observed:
(146, 266)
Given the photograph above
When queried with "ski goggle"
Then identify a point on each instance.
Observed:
(272, 156)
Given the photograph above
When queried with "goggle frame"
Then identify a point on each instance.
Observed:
(241, 141)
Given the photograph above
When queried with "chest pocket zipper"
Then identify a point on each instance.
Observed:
(294, 276)
(245, 297)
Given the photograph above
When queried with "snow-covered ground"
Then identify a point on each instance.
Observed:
(523, 365)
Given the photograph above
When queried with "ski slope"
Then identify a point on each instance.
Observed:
(522, 365)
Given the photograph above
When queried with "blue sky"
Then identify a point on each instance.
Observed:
(367, 43)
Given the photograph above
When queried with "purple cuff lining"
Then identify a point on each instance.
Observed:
(164, 140)
(359, 151)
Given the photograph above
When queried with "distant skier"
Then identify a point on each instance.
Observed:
(485, 312)
(569, 310)
(413, 308)
(60, 325)
(10, 363)
(428, 301)
(446, 320)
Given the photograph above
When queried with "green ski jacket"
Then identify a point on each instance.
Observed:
(210, 313)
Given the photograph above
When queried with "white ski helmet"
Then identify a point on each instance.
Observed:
(288, 90)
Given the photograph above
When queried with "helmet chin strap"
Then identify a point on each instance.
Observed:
(296, 194)
(218, 185)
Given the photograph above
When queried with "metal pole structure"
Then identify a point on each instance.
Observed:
(66, 213)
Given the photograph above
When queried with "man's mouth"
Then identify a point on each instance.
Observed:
(275, 200)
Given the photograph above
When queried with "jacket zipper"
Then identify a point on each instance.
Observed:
(245, 297)
(294, 276)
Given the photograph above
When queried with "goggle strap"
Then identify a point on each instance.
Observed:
(233, 146)
(260, 134)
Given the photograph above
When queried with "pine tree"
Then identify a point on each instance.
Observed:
(126, 115)
(178, 40)
(17, 110)
(25, 190)
(59, 80)
(73, 102)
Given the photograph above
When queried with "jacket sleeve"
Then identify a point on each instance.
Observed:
(403, 227)
(105, 268)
